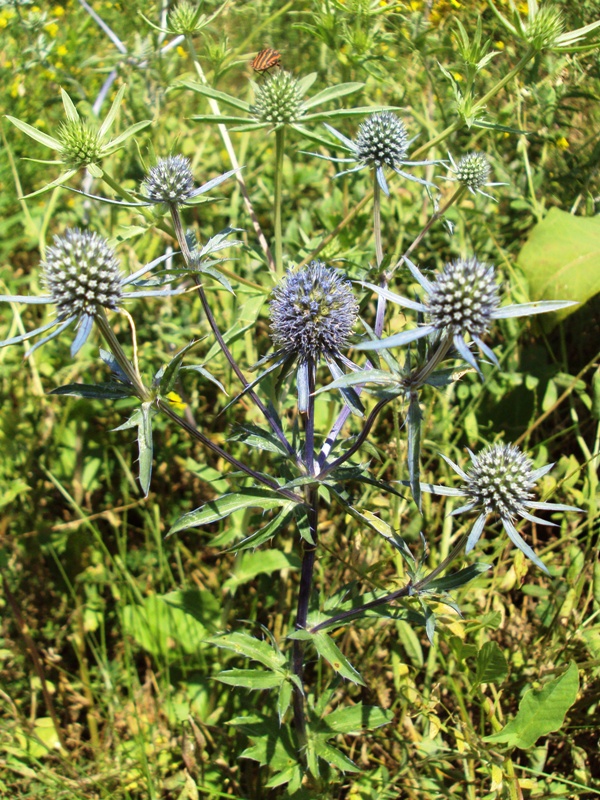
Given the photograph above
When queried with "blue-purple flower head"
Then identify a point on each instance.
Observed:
(473, 172)
(462, 301)
(500, 482)
(313, 312)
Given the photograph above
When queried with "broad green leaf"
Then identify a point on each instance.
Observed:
(332, 93)
(540, 712)
(252, 648)
(145, 445)
(378, 376)
(560, 259)
(414, 448)
(254, 679)
(203, 606)
(356, 719)
(224, 506)
(252, 564)
(456, 579)
(262, 535)
(491, 664)
(168, 632)
(284, 699)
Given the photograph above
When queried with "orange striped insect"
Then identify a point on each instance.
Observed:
(266, 60)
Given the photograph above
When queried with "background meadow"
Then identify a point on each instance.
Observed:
(107, 686)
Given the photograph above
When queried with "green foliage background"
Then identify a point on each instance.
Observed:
(116, 613)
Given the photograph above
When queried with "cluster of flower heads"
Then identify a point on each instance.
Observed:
(313, 312)
(500, 483)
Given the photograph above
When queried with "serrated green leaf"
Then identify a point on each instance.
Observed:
(215, 94)
(284, 699)
(355, 719)
(254, 679)
(254, 649)
(491, 664)
(327, 649)
(223, 506)
(449, 582)
(333, 756)
(168, 376)
(540, 712)
(263, 534)
(262, 562)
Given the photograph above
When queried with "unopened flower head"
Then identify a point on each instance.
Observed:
(382, 140)
(278, 100)
(546, 27)
(184, 17)
(170, 181)
(82, 272)
(313, 312)
(80, 144)
(463, 297)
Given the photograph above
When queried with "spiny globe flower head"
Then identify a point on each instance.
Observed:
(82, 272)
(473, 171)
(545, 27)
(83, 276)
(500, 482)
(381, 141)
(462, 300)
(278, 100)
(313, 312)
(170, 181)
(184, 18)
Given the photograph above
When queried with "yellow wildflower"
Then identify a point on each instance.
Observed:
(562, 143)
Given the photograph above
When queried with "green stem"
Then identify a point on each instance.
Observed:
(115, 348)
(214, 106)
(279, 150)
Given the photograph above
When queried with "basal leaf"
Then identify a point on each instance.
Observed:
(355, 719)
(224, 506)
(252, 648)
(491, 664)
(540, 712)
(327, 649)
(560, 259)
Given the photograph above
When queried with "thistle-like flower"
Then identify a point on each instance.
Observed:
(500, 482)
(83, 276)
(170, 181)
(79, 143)
(382, 141)
(473, 171)
(313, 312)
(463, 300)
